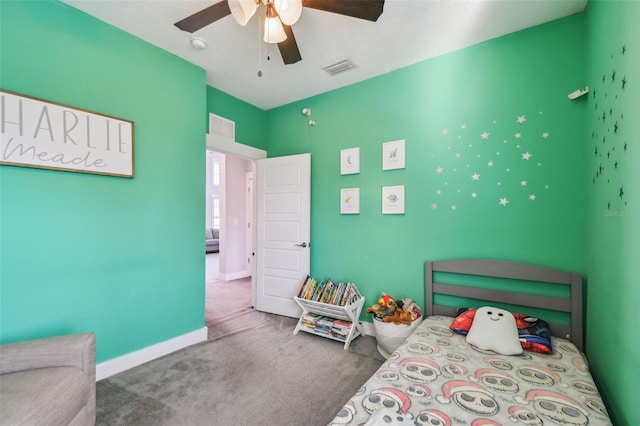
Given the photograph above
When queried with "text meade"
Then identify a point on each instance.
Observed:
(14, 152)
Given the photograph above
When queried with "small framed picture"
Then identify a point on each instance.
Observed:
(350, 161)
(350, 201)
(393, 199)
(393, 155)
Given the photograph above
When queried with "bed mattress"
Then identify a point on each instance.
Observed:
(436, 378)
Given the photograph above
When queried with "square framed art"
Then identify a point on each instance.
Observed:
(350, 161)
(350, 201)
(393, 199)
(393, 155)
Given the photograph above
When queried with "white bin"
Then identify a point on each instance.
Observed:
(390, 335)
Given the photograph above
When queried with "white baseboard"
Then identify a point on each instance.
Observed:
(233, 276)
(368, 328)
(117, 365)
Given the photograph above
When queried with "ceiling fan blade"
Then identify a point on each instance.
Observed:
(289, 48)
(363, 9)
(205, 17)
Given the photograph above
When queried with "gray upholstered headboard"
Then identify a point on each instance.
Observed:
(511, 271)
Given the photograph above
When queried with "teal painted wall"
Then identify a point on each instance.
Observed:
(122, 257)
(251, 122)
(513, 88)
(613, 209)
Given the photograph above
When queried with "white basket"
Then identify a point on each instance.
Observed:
(390, 335)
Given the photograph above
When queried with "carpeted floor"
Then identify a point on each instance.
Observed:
(252, 370)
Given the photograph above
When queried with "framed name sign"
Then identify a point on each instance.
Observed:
(48, 135)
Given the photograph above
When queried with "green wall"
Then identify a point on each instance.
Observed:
(515, 89)
(251, 122)
(123, 257)
(613, 208)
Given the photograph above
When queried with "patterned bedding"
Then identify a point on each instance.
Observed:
(436, 378)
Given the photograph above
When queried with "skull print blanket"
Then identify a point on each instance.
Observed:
(436, 378)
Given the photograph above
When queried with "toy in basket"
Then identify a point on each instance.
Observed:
(393, 321)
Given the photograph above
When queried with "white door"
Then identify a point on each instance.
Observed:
(283, 231)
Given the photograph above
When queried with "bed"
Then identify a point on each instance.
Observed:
(437, 378)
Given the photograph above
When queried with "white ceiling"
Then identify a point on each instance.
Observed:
(409, 31)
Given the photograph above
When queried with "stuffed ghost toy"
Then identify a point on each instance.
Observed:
(495, 329)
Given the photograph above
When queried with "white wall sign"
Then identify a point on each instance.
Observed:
(41, 134)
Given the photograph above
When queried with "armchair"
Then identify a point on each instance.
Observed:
(49, 381)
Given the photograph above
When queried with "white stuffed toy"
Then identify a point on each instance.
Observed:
(495, 329)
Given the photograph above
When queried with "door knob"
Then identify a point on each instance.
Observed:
(303, 245)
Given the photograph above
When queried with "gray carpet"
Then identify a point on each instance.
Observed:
(253, 370)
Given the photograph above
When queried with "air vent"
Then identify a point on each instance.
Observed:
(339, 67)
(222, 126)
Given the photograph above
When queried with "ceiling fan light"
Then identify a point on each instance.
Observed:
(288, 10)
(242, 10)
(273, 30)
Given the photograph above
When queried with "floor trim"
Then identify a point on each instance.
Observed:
(117, 365)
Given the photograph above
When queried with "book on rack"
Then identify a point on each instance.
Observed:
(327, 291)
(341, 294)
(341, 328)
(318, 291)
(351, 294)
(310, 319)
(309, 289)
(337, 296)
(303, 286)
(323, 325)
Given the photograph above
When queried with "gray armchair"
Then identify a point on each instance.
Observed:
(49, 381)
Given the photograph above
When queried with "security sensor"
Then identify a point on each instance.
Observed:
(578, 93)
(306, 111)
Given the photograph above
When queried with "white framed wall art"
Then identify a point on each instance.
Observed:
(350, 201)
(393, 199)
(393, 155)
(350, 161)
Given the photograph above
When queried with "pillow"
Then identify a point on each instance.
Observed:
(495, 329)
(535, 333)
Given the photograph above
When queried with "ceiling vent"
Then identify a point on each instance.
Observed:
(222, 126)
(339, 67)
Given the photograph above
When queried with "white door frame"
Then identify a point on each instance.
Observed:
(225, 145)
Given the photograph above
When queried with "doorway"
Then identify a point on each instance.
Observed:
(229, 221)
(223, 267)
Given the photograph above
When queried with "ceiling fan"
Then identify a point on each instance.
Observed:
(280, 16)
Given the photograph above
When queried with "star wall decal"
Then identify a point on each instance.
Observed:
(505, 178)
(611, 163)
